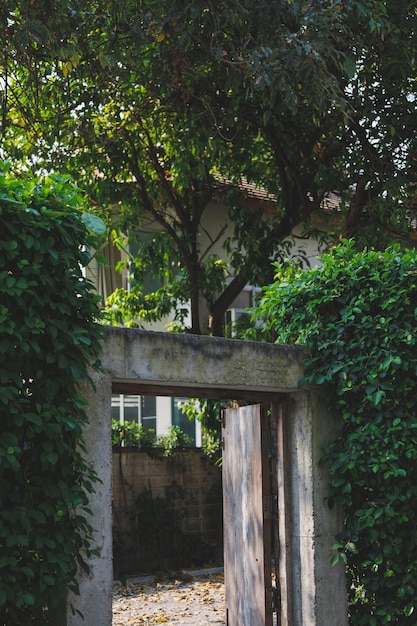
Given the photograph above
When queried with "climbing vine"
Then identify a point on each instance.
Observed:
(357, 314)
(48, 337)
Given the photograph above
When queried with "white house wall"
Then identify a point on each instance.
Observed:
(215, 221)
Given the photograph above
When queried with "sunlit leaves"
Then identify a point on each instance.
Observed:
(94, 223)
(144, 106)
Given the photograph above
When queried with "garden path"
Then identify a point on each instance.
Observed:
(186, 599)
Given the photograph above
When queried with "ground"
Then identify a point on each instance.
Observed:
(187, 599)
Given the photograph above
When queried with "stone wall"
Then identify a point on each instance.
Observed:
(167, 512)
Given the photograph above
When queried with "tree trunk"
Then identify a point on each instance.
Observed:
(223, 302)
(193, 274)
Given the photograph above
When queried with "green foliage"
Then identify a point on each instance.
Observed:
(132, 435)
(209, 414)
(48, 338)
(356, 313)
(152, 108)
(174, 441)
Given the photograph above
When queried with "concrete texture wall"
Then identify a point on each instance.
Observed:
(199, 362)
(141, 361)
(95, 599)
(318, 593)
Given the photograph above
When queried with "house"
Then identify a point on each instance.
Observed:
(159, 413)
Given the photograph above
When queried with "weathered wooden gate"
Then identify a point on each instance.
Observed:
(250, 516)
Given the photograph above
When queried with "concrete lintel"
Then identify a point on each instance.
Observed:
(144, 388)
(194, 361)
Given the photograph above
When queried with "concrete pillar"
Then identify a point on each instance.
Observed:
(315, 592)
(95, 599)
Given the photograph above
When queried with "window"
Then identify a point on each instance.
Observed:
(148, 412)
(143, 410)
(179, 418)
(138, 409)
(236, 321)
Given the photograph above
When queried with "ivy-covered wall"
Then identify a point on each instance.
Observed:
(48, 337)
(357, 315)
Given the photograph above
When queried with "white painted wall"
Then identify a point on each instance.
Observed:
(164, 415)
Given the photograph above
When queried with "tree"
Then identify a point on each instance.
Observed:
(147, 106)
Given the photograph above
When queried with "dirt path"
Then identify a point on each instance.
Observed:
(192, 599)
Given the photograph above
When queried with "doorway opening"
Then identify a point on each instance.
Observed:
(250, 499)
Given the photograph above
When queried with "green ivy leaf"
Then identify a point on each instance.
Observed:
(356, 314)
(52, 458)
(349, 66)
(41, 409)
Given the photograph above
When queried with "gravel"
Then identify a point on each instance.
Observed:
(187, 598)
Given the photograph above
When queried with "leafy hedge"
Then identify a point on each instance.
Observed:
(48, 336)
(133, 435)
(357, 313)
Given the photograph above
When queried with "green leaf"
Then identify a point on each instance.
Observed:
(377, 397)
(52, 458)
(349, 67)
(11, 201)
(339, 558)
(41, 409)
(94, 223)
(49, 580)
(28, 599)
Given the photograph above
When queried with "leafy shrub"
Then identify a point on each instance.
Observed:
(208, 413)
(356, 313)
(48, 337)
(132, 435)
(174, 441)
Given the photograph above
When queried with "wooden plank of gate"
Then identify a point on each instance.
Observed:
(284, 565)
(245, 559)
